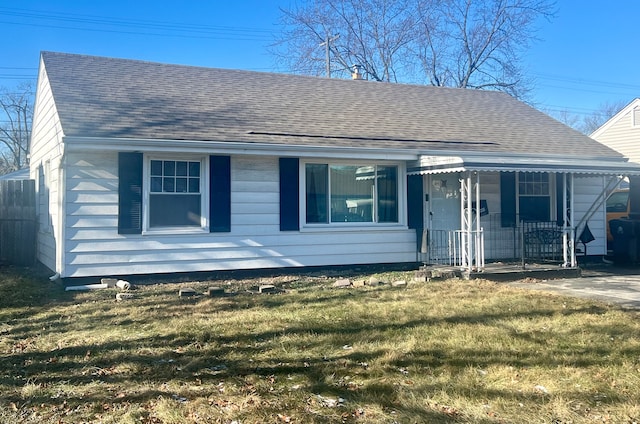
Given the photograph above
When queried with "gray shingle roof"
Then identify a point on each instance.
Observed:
(105, 97)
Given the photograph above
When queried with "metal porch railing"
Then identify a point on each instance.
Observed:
(529, 242)
(446, 247)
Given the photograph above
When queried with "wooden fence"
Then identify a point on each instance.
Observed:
(18, 223)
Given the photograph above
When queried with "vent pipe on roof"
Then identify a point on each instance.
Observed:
(356, 74)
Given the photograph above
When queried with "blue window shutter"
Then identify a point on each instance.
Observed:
(508, 199)
(220, 194)
(289, 194)
(559, 203)
(415, 202)
(129, 193)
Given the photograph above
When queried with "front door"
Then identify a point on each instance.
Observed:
(442, 217)
(444, 202)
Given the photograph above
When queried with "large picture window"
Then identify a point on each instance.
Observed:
(351, 193)
(175, 193)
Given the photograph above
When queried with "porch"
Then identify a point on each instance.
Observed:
(485, 210)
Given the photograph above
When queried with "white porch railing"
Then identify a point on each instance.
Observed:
(528, 242)
(446, 247)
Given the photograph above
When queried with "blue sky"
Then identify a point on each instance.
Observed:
(585, 57)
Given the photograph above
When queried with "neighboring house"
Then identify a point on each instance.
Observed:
(622, 131)
(151, 168)
(21, 174)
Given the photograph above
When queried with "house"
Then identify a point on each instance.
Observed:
(152, 168)
(20, 174)
(622, 131)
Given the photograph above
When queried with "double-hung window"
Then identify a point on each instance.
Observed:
(341, 193)
(176, 191)
(534, 192)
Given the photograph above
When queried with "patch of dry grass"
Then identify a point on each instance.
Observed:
(439, 352)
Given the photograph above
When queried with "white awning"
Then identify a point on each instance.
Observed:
(510, 163)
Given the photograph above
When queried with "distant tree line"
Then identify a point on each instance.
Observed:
(589, 123)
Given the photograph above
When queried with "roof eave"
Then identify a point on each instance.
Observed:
(615, 166)
(232, 147)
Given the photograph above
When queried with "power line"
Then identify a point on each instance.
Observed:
(132, 27)
(584, 81)
(13, 76)
(219, 36)
(587, 90)
(584, 85)
(73, 17)
(19, 68)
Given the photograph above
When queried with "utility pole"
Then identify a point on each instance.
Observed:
(327, 52)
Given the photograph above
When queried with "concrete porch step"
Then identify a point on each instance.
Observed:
(498, 272)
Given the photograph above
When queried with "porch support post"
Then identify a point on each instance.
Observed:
(469, 228)
(463, 224)
(568, 227)
(479, 238)
(565, 226)
(572, 233)
(466, 248)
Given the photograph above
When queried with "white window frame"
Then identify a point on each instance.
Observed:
(635, 117)
(551, 194)
(204, 195)
(349, 226)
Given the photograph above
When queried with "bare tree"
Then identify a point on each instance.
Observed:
(372, 33)
(16, 112)
(589, 123)
(459, 43)
(478, 43)
(604, 112)
(569, 119)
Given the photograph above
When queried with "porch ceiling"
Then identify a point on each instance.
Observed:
(576, 165)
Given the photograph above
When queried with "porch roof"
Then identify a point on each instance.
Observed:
(510, 163)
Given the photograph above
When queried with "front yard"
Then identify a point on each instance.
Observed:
(438, 352)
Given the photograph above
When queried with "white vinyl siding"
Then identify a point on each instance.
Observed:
(623, 134)
(586, 191)
(94, 247)
(45, 156)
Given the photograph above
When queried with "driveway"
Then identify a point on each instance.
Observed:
(610, 284)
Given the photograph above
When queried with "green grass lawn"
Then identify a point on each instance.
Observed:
(438, 352)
